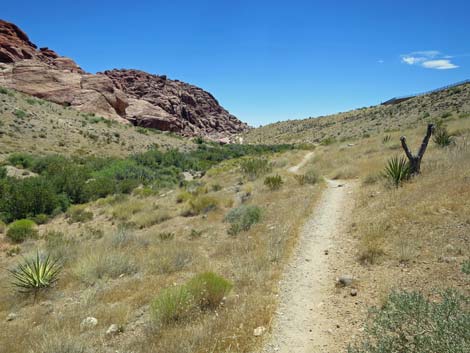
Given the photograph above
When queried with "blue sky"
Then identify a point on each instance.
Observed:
(265, 61)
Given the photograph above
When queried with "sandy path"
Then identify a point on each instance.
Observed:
(301, 323)
(304, 161)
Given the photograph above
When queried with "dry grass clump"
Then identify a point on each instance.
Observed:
(148, 219)
(78, 213)
(372, 242)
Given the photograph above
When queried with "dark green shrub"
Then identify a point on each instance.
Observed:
(21, 230)
(208, 289)
(409, 322)
(27, 197)
(3, 172)
(397, 170)
(466, 267)
(273, 182)
(242, 218)
(21, 159)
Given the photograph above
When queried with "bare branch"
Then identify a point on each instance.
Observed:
(425, 142)
(405, 148)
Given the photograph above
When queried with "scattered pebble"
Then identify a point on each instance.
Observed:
(113, 330)
(259, 331)
(11, 316)
(345, 280)
(353, 292)
(88, 323)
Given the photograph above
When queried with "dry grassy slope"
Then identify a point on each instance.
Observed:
(366, 121)
(29, 124)
(114, 276)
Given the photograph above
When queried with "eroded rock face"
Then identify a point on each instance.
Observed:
(131, 96)
(173, 105)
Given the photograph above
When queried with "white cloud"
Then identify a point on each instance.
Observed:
(429, 59)
(439, 64)
(380, 61)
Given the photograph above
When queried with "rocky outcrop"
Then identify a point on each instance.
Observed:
(164, 104)
(131, 96)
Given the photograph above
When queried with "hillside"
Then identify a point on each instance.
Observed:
(29, 124)
(454, 102)
(122, 95)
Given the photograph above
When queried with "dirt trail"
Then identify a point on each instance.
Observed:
(302, 323)
(304, 161)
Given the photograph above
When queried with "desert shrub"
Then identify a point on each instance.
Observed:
(201, 204)
(409, 322)
(311, 176)
(103, 264)
(40, 218)
(171, 258)
(172, 305)
(397, 170)
(273, 182)
(183, 196)
(60, 246)
(328, 141)
(446, 115)
(216, 187)
(194, 234)
(125, 210)
(27, 198)
(150, 218)
(23, 160)
(386, 139)
(20, 114)
(242, 218)
(208, 289)
(370, 179)
(442, 137)
(2, 227)
(166, 235)
(255, 167)
(21, 230)
(3, 172)
(36, 274)
(78, 213)
(466, 267)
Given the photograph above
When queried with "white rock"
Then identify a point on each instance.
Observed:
(11, 316)
(88, 323)
(113, 330)
(259, 331)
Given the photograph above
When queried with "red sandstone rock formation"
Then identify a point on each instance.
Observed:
(125, 95)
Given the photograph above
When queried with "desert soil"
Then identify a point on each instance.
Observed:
(305, 320)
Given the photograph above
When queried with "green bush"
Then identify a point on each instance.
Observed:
(21, 159)
(78, 213)
(27, 197)
(409, 322)
(255, 167)
(208, 289)
(20, 114)
(3, 172)
(40, 218)
(172, 305)
(36, 274)
(242, 218)
(397, 170)
(21, 230)
(273, 182)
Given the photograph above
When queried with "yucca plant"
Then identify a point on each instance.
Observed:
(273, 182)
(36, 274)
(397, 170)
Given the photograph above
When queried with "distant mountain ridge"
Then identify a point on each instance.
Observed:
(127, 96)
